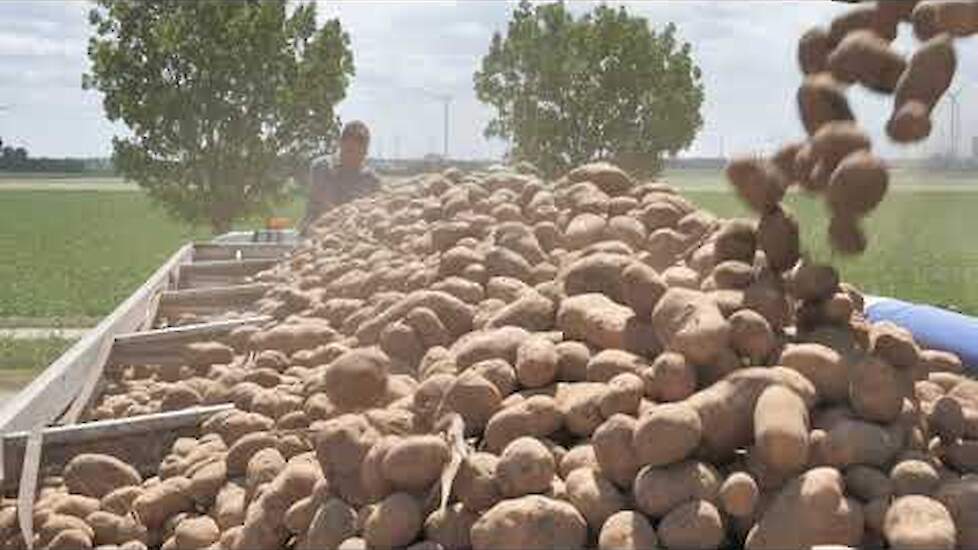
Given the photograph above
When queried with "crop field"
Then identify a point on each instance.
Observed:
(70, 254)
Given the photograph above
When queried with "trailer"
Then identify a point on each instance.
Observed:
(41, 427)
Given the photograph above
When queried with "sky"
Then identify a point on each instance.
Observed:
(410, 51)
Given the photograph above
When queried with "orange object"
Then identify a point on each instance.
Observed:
(277, 223)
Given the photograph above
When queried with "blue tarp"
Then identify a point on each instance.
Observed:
(932, 327)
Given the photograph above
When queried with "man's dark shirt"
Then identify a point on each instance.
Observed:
(330, 186)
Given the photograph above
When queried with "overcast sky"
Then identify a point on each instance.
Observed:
(746, 50)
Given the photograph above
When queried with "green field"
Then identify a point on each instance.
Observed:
(69, 254)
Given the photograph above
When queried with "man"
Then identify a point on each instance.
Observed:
(330, 185)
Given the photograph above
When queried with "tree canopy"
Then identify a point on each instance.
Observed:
(223, 100)
(603, 86)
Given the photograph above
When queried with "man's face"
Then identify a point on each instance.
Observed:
(352, 152)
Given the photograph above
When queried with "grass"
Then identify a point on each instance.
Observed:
(80, 253)
(30, 355)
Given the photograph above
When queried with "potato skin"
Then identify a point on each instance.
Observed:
(524, 467)
(917, 521)
(658, 490)
(393, 522)
(668, 434)
(627, 530)
(690, 526)
(594, 496)
(533, 522)
(96, 475)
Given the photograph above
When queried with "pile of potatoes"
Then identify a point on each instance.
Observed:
(835, 161)
(491, 360)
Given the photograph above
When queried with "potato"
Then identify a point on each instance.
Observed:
(670, 378)
(585, 229)
(393, 522)
(110, 528)
(777, 236)
(758, 183)
(623, 395)
(725, 408)
(868, 483)
(947, 419)
(596, 273)
(475, 398)
(959, 18)
(810, 510)
(917, 521)
(450, 528)
(415, 462)
(821, 365)
(161, 501)
(263, 467)
(76, 505)
(580, 405)
(229, 506)
(928, 75)
(536, 362)
(333, 522)
(862, 56)
(119, 501)
(353, 543)
(427, 326)
(96, 475)
(641, 288)
(959, 497)
(475, 485)
(500, 343)
(581, 456)
(858, 185)
(525, 466)
(206, 481)
(739, 495)
(594, 319)
(594, 496)
(688, 322)
(196, 533)
(357, 379)
(876, 390)
(692, 526)
(244, 448)
(627, 531)
(751, 335)
(668, 434)
(530, 522)
(572, 361)
(499, 373)
(781, 429)
(821, 99)
(851, 441)
(939, 361)
(537, 416)
(914, 477)
(532, 311)
(813, 50)
(660, 489)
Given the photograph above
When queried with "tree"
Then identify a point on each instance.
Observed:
(223, 100)
(604, 86)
